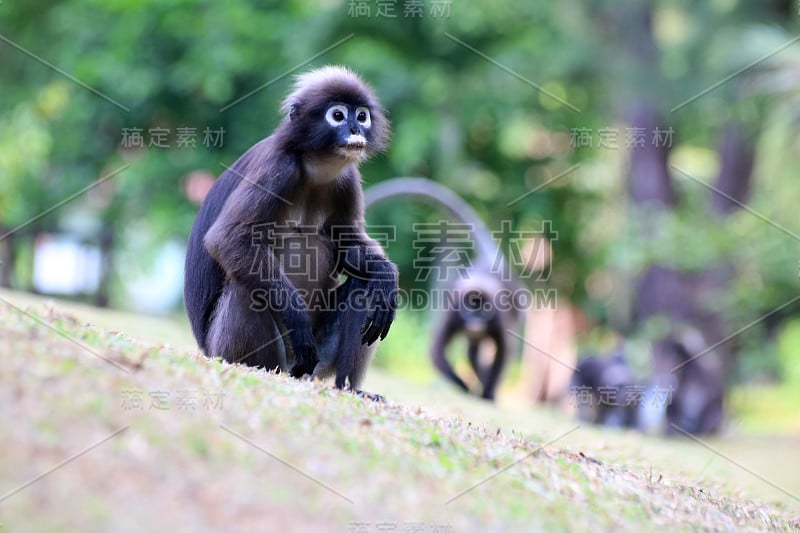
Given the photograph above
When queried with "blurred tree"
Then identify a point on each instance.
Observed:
(486, 98)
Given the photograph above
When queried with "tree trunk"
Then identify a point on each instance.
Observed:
(102, 296)
(737, 157)
(661, 290)
(649, 181)
(7, 257)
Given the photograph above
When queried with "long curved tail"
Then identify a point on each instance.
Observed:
(488, 252)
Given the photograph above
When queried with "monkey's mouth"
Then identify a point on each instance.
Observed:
(354, 147)
(475, 327)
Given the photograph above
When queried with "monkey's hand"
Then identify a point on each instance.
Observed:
(305, 356)
(382, 293)
(300, 336)
(304, 348)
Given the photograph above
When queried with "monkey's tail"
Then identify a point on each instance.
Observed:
(486, 247)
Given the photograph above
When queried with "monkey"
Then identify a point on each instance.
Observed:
(479, 312)
(695, 379)
(684, 395)
(295, 198)
(612, 397)
(479, 320)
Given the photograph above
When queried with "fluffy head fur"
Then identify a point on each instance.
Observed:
(315, 91)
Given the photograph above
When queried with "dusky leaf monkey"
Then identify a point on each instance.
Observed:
(279, 228)
(694, 374)
(685, 394)
(606, 391)
(486, 292)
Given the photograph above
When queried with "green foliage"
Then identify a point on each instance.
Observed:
(788, 348)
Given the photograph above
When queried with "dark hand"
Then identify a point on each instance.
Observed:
(383, 303)
(305, 351)
(305, 360)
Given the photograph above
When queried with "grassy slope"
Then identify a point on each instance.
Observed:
(278, 453)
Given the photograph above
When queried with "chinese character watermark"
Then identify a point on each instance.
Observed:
(162, 138)
(164, 400)
(615, 138)
(393, 9)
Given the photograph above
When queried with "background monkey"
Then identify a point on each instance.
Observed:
(685, 394)
(294, 199)
(694, 373)
(606, 390)
(479, 320)
(477, 290)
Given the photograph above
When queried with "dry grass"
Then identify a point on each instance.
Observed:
(199, 445)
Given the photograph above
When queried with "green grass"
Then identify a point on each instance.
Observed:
(199, 445)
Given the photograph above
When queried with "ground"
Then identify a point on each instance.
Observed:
(114, 422)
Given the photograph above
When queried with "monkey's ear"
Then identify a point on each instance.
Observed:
(294, 111)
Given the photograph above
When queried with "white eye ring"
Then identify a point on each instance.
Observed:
(332, 110)
(367, 122)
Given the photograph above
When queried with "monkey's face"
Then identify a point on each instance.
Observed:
(332, 113)
(340, 129)
(349, 125)
(477, 312)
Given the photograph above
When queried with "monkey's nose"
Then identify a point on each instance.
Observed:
(355, 130)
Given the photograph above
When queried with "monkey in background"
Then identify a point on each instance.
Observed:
(611, 397)
(295, 198)
(478, 319)
(696, 379)
(479, 313)
(684, 395)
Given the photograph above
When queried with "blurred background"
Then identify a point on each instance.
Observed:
(653, 143)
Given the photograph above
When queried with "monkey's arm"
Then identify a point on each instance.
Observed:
(368, 262)
(493, 375)
(238, 243)
(363, 258)
(443, 336)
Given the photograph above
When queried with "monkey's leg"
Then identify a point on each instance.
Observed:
(443, 336)
(327, 337)
(339, 337)
(230, 241)
(239, 334)
(337, 334)
(326, 366)
(443, 365)
(493, 376)
(473, 346)
(353, 357)
(359, 371)
(711, 419)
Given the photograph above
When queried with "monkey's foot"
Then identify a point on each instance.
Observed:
(369, 396)
(300, 370)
